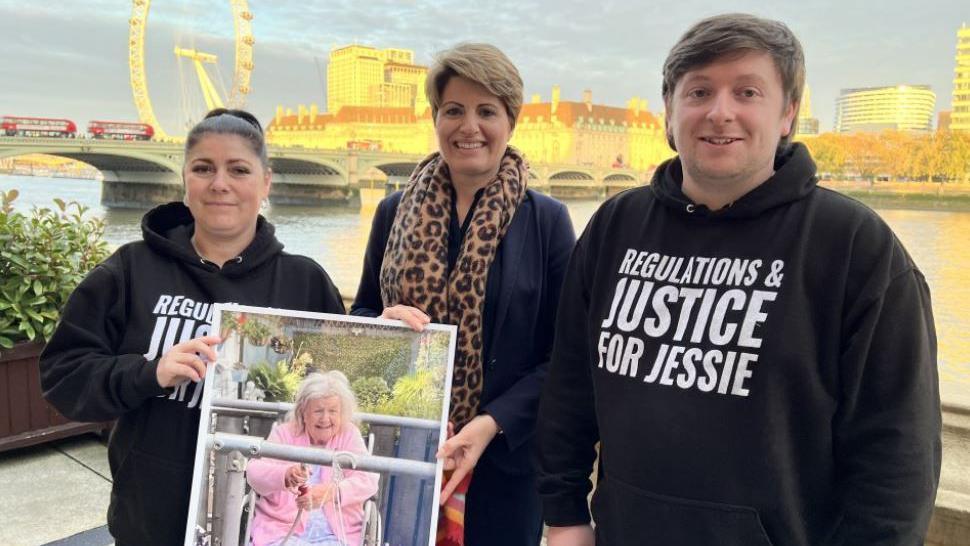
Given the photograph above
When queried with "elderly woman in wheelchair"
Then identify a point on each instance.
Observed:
(305, 505)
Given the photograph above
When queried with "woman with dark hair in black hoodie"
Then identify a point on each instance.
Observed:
(134, 336)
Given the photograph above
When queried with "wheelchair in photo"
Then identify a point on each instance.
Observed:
(371, 532)
(229, 502)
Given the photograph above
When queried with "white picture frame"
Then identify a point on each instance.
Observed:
(403, 377)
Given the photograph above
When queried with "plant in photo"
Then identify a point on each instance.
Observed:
(255, 331)
(414, 395)
(229, 324)
(359, 356)
(279, 382)
(372, 393)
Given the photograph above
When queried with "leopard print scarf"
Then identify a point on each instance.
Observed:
(414, 271)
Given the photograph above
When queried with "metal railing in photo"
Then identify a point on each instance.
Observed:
(253, 407)
(400, 448)
(251, 446)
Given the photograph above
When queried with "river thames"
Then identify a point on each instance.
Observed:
(336, 236)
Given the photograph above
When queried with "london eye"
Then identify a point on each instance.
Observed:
(242, 71)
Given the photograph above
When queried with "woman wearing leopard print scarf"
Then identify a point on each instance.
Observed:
(467, 243)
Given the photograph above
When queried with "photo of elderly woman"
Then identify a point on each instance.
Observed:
(322, 416)
(320, 430)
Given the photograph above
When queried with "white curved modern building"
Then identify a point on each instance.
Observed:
(875, 109)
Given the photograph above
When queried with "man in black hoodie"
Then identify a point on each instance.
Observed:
(754, 354)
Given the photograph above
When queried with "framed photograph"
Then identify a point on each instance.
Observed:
(320, 429)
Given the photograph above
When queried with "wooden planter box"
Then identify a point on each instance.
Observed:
(25, 417)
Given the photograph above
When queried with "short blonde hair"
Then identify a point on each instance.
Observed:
(324, 385)
(483, 64)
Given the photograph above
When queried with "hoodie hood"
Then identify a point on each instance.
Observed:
(168, 229)
(794, 179)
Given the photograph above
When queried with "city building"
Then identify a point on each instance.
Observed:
(382, 78)
(593, 135)
(807, 125)
(552, 133)
(960, 120)
(943, 121)
(376, 101)
(389, 129)
(876, 109)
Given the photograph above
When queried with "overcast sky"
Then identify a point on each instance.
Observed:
(70, 58)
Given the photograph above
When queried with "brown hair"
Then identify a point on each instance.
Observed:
(734, 34)
(483, 64)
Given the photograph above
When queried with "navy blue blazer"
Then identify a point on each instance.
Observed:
(534, 253)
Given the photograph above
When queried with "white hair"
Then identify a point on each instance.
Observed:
(323, 385)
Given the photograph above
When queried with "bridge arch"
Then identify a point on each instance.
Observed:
(620, 177)
(109, 163)
(130, 178)
(396, 173)
(306, 166)
(308, 181)
(571, 176)
(134, 174)
(396, 169)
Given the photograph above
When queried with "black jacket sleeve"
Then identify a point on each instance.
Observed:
(368, 301)
(567, 430)
(515, 409)
(81, 373)
(887, 430)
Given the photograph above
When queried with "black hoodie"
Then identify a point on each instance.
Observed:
(761, 374)
(100, 363)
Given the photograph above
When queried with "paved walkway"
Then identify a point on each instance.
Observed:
(55, 494)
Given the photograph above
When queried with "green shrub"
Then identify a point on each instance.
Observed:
(359, 356)
(278, 381)
(255, 331)
(371, 392)
(43, 257)
(414, 395)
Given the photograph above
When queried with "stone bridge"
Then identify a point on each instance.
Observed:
(142, 174)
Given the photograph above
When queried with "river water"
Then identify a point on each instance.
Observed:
(336, 236)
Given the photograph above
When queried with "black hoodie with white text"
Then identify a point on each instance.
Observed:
(101, 362)
(762, 374)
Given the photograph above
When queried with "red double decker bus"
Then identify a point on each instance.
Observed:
(37, 127)
(368, 145)
(120, 130)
